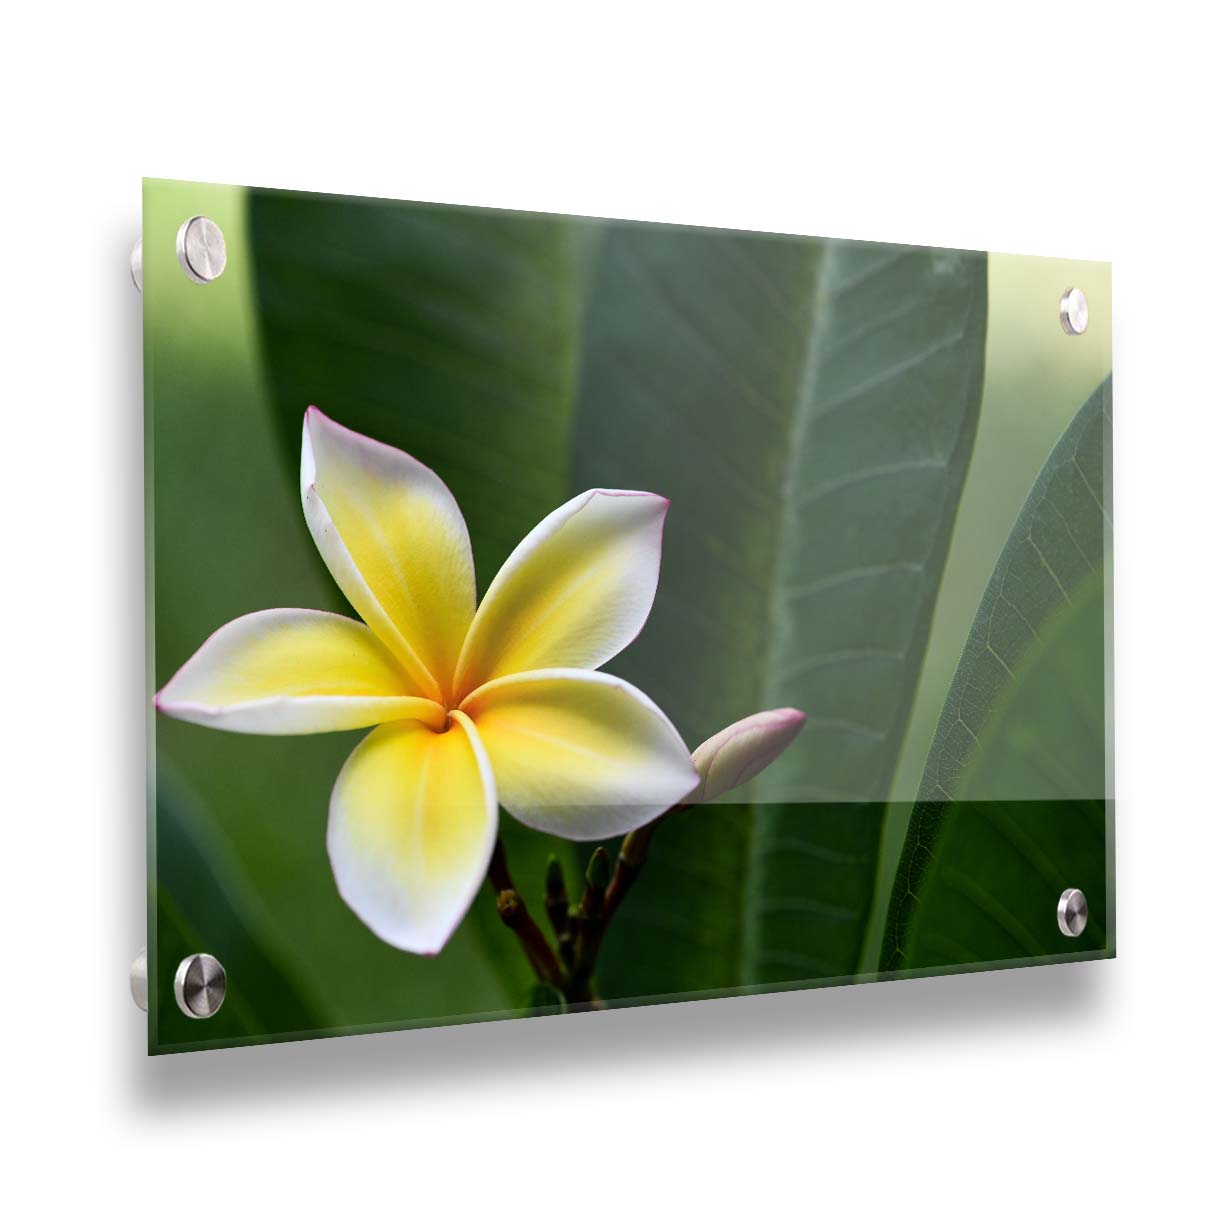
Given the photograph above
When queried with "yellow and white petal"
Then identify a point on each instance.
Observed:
(739, 752)
(411, 828)
(575, 592)
(291, 671)
(580, 754)
(396, 544)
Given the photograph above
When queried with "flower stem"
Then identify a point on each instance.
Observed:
(513, 912)
(540, 956)
(557, 906)
(631, 860)
(589, 924)
(579, 929)
(499, 869)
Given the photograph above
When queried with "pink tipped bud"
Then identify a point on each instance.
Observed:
(742, 750)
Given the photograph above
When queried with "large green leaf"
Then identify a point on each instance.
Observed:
(1013, 803)
(452, 333)
(809, 407)
(206, 903)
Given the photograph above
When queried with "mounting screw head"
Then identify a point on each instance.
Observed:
(1073, 312)
(138, 980)
(1072, 912)
(199, 986)
(201, 250)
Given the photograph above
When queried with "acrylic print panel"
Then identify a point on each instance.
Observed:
(550, 613)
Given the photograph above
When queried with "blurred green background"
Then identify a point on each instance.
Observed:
(525, 357)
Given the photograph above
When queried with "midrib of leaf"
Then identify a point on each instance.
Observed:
(808, 406)
(803, 401)
(712, 361)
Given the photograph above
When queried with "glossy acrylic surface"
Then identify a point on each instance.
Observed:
(889, 476)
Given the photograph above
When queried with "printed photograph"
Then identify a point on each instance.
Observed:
(551, 614)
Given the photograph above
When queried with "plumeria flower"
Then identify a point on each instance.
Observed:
(471, 706)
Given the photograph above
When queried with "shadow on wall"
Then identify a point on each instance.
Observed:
(516, 1054)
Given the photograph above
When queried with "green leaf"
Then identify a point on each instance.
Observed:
(452, 333)
(809, 407)
(1013, 806)
(205, 903)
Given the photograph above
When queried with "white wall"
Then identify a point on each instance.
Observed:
(1072, 1093)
